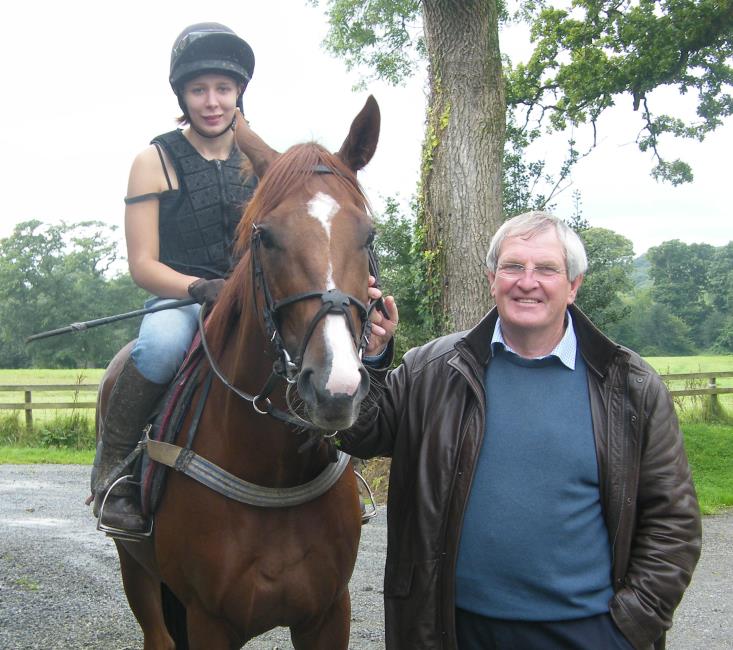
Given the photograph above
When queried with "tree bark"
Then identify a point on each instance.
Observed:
(462, 156)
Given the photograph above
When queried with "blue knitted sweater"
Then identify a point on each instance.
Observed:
(534, 545)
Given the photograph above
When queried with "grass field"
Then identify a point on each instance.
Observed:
(45, 376)
(45, 455)
(699, 363)
(710, 452)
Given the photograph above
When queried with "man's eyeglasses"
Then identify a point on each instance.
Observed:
(515, 271)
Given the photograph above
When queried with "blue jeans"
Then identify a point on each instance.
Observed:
(164, 339)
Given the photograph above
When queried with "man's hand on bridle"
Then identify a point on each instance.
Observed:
(384, 321)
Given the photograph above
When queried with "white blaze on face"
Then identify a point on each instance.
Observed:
(344, 375)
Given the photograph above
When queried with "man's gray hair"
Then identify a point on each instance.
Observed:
(530, 223)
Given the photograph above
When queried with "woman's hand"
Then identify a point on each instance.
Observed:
(205, 292)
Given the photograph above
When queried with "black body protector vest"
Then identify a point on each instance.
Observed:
(197, 222)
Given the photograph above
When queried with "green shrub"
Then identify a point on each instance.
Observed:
(11, 430)
(74, 431)
(64, 430)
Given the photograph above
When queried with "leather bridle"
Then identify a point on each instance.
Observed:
(284, 367)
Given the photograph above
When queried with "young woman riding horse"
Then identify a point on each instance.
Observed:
(185, 198)
(292, 318)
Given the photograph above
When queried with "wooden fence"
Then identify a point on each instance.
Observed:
(28, 405)
(711, 391)
(712, 388)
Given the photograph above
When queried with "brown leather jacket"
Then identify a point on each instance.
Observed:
(430, 420)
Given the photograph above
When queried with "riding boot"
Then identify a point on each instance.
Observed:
(131, 401)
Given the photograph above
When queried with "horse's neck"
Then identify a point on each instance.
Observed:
(258, 448)
(248, 356)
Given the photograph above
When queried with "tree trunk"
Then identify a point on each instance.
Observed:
(462, 156)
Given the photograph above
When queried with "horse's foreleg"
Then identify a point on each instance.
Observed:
(143, 595)
(331, 630)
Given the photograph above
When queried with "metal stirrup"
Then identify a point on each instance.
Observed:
(120, 533)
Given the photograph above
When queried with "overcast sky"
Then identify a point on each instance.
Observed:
(86, 88)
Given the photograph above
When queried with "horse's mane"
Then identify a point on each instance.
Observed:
(289, 173)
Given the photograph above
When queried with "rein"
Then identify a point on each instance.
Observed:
(268, 409)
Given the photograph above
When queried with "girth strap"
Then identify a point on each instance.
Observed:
(214, 477)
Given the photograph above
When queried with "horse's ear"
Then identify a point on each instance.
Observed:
(253, 146)
(361, 143)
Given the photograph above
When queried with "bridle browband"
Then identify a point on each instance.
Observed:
(284, 367)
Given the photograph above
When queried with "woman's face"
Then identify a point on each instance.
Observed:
(211, 100)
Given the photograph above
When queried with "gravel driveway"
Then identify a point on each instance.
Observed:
(60, 588)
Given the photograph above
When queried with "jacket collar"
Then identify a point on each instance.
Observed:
(597, 349)
(477, 341)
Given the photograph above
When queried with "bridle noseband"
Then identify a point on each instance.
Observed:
(284, 367)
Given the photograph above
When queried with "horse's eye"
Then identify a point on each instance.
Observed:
(267, 238)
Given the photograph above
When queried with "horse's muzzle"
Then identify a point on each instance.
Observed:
(329, 409)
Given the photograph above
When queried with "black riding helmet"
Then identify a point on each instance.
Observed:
(209, 47)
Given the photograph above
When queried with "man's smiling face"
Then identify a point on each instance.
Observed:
(530, 305)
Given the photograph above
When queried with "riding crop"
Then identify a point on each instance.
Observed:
(80, 327)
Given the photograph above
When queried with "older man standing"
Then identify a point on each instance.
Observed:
(540, 497)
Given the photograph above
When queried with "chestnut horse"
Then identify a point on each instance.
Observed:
(298, 295)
